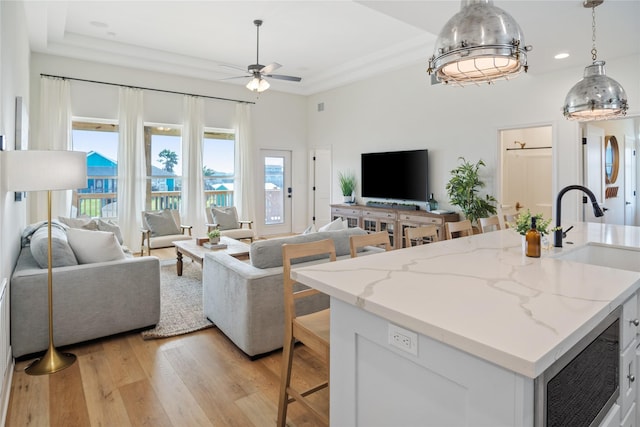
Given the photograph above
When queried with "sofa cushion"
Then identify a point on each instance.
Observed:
(61, 252)
(111, 227)
(225, 217)
(268, 253)
(161, 223)
(94, 246)
(336, 224)
(86, 222)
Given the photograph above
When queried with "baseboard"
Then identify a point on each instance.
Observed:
(6, 390)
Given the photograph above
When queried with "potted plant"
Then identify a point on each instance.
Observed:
(214, 236)
(463, 191)
(523, 224)
(347, 182)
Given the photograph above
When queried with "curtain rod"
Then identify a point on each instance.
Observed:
(148, 88)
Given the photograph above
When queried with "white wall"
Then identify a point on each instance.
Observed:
(14, 72)
(278, 119)
(401, 110)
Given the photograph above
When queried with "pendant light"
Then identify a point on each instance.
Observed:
(596, 96)
(258, 84)
(479, 44)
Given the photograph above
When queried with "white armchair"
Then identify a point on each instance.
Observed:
(226, 220)
(161, 228)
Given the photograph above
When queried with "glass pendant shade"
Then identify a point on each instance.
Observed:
(479, 44)
(258, 84)
(596, 96)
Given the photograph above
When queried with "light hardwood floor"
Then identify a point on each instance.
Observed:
(198, 379)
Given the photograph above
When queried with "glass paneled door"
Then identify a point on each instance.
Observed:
(277, 195)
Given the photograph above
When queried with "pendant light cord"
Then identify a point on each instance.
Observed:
(594, 51)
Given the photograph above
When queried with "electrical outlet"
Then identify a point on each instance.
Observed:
(403, 339)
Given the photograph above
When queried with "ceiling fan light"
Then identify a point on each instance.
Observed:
(257, 84)
(595, 96)
(481, 43)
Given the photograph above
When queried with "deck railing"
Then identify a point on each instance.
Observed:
(104, 205)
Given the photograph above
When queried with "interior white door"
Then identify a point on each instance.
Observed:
(275, 204)
(629, 180)
(320, 171)
(594, 170)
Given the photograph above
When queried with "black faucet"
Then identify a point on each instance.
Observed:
(557, 234)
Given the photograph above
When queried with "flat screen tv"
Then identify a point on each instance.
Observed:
(399, 175)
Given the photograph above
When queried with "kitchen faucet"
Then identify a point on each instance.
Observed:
(557, 234)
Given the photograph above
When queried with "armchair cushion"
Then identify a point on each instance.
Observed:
(86, 223)
(161, 223)
(225, 217)
(62, 254)
(94, 246)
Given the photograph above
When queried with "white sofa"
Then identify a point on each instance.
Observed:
(90, 300)
(244, 299)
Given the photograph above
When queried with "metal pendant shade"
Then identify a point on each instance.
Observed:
(596, 96)
(479, 44)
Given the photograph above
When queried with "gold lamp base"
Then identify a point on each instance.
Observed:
(52, 361)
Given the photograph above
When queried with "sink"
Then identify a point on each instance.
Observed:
(620, 257)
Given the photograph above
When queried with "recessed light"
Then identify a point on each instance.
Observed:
(562, 55)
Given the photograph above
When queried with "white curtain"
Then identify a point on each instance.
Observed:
(244, 185)
(193, 205)
(131, 167)
(54, 133)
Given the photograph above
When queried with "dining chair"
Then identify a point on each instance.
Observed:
(416, 235)
(379, 239)
(311, 329)
(458, 229)
(491, 223)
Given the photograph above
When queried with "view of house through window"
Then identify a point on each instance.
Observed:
(218, 170)
(100, 142)
(163, 151)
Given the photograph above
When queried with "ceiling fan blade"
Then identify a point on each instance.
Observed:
(233, 67)
(269, 68)
(236, 77)
(282, 77)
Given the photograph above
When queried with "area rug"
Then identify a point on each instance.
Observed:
(181, 302)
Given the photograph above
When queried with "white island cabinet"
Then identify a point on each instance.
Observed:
(455, 333)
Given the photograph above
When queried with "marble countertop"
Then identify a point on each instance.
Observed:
(483, 296)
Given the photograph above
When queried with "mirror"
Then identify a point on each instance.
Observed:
(611, 159)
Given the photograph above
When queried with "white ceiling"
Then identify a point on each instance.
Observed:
(327, 43)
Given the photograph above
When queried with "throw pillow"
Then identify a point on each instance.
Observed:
(310, 229)
(94, 246)
(61, 253)
(336, 224)
(86, 223)
(112, 227)
(226, 218)
(161, 223)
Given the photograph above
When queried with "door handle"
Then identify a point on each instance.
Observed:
(289, 192)
(627, 203)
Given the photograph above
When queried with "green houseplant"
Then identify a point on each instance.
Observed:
(347, 182)
(523, 223)
(214, 235)
(463, 191)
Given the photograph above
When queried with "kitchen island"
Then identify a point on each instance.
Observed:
(454, 333)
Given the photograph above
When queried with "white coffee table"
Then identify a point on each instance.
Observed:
(189, 248)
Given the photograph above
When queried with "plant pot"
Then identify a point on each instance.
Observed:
(214, 240)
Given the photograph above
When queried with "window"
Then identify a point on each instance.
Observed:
(163, 148)
(100, 142)
(218, 166)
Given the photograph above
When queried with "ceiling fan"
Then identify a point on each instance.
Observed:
(258, 72)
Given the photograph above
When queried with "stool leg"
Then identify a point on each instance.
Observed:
(285, 379)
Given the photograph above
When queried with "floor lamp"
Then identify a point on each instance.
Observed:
(33, 170)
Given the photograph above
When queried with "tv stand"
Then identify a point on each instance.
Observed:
(393, 205)
(394, 219)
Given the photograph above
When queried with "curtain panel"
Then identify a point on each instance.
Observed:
(131, 166)
(244, 184)
(193, 204)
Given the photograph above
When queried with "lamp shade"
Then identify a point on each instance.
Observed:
(481, 43)
(34, 170)
(596, 96)
(258, 84)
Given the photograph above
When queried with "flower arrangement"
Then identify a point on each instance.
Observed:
(523, 223)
